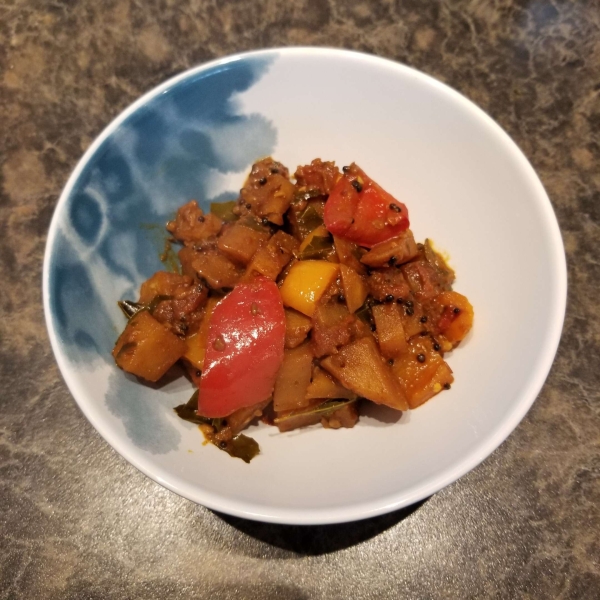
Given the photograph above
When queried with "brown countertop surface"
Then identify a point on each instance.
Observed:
(77, 521)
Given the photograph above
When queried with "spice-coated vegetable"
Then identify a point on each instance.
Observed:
(305, 283)
(297, 303)
(241, 370)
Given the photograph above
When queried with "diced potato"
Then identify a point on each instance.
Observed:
(269, 260)
(265, 262)
(422, 372)
(456, 316)
(218, 271)
(323, 385)
(402, 248)
(330, 418)
(390, 332)
(239, 243)
(293, 379)
(187, 255)
(162, 283)
(412, 313)
(355, 288)
(333, 326)
(306, 283)
(387, 282)
(284, 241)
(423, 280)
(146, 348)
(196, 343)
(275, 205)
(333, 292)
(241, 418)
(297, 327)
(445, 345)
(346, 416)
(348, 254)
(360, 368)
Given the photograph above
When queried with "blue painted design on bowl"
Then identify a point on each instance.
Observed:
(170, 149)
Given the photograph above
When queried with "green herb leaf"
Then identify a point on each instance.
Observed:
(253, 223)
(309, 220)
(326, 407)
(319, 248)
(241, 446)
(364, 313)
(187, 411)
(224, 210)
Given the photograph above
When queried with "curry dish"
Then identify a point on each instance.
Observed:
(295, 303)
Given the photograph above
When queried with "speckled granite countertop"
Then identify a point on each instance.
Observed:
(76, 521)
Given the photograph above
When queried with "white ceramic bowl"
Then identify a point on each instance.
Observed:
(467, 186)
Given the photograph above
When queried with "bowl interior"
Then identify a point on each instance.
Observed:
(467, 187)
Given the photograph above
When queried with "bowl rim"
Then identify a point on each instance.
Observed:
(381, 505)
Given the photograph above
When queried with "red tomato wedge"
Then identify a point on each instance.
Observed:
(361, 211)
(244, 349)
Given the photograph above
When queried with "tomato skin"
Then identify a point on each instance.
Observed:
(366, 217)
(340, 207)
(244, 349)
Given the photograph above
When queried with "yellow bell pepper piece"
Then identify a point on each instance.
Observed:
(305, 283)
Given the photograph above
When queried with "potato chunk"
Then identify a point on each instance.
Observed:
(270, 259)
(297, 327)
(346, 416)
(218, 271)
(293, 379)
(401, 248)
(456, 316)
(294, 419)
(240, 419)
(360, 368)
(388, 282)
(162, 283)
(390, 332)
(422, 372)
(330, 416)
(239, 243)
(348, 253)
(323, 385)
(146, 348)
(355, 288)
(333, 326)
